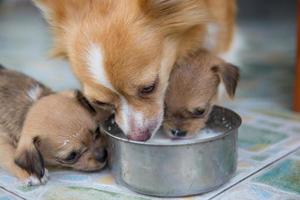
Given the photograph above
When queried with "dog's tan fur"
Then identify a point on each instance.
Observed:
(193, 87)
(45, 128)
(140, 41)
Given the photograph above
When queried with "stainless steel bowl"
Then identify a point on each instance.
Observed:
(188, 167)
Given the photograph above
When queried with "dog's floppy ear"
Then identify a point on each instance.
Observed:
(29, 158)
(229, 74)
(174, 16)
(84, 102)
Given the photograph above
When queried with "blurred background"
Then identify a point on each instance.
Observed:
(266, 57)
(268, 168)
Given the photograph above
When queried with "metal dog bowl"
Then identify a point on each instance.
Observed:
(181, 167)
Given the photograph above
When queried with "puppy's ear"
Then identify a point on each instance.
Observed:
(100, 111)
(174, 16)
(29, 158)
(229, 75)
(84, 102)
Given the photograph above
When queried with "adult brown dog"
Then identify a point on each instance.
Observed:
(123, 51)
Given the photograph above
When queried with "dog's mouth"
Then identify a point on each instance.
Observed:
(139, 135)
(96, 168)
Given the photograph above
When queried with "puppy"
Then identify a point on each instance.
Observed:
(123, 51)
(41, 128)
(193, 90)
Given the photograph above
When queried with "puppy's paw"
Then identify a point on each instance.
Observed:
(34, 181)
(46, 177)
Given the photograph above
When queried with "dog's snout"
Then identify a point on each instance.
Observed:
(143, 136)
(101, 156)
(178, 132)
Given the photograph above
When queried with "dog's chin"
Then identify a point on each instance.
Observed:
(142, 135)
(139, 137)
(95, 168)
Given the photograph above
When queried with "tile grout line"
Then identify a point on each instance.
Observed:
(10, 192)
(257, 171)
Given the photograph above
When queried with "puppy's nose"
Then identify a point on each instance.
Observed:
(178, 132)
(101, 156)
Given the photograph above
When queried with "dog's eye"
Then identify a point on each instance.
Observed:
(199, 112)
(72, 157)
(146, 90)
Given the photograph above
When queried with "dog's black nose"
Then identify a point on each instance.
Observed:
(101, 156)
(178, 132)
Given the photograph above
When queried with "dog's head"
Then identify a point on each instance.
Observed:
(123, 51)
(62, 130)
(193, 90)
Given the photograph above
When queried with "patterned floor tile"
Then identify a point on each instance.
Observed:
(7, 196)
(83, 193)
(256, 139)
(284, 175)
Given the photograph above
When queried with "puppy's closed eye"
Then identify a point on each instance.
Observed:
(72, 157)
(199, 112)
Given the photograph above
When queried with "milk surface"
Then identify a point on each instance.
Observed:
(162, 138)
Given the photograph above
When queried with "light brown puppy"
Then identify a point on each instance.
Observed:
(193, 91)
(41, 128)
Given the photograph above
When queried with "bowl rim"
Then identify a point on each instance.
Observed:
(191, 142)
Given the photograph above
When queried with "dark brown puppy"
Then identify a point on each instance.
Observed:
(39, 127)
(193, 91)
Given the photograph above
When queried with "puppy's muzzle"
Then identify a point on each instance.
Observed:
(178, 133)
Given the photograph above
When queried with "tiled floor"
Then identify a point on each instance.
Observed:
(4, 195)
(269, 140)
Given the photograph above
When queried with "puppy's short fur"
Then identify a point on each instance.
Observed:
(193, 90)
(39, 127)
(123, 51)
